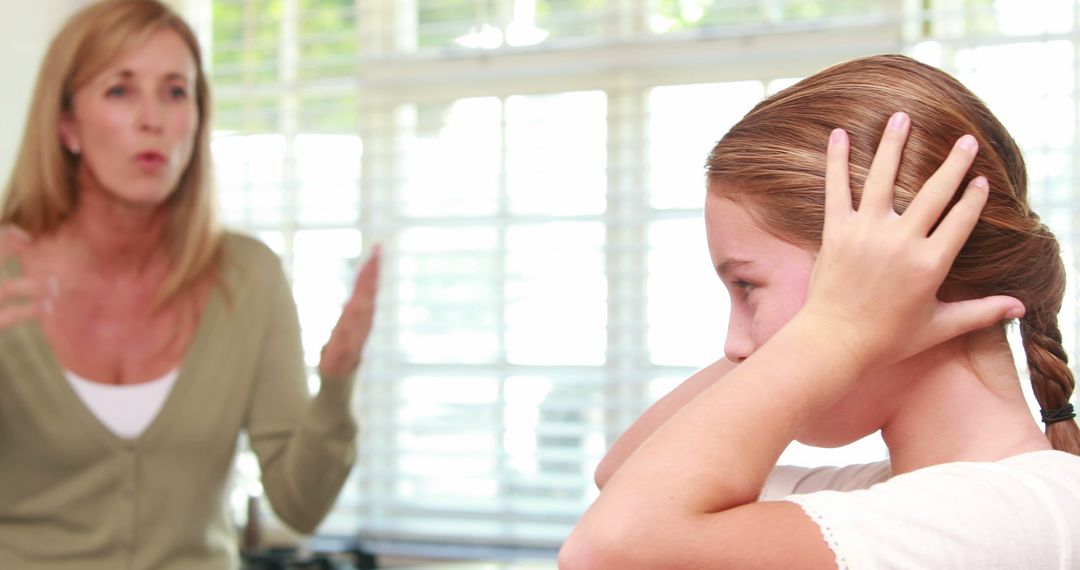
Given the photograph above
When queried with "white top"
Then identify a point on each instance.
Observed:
(1020, 512)
(128, 409)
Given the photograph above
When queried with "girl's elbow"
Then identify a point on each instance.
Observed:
(578, 553)
(607, 548)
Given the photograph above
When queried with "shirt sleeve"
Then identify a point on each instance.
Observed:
(789, 480)
(305, 445)
(951, 516)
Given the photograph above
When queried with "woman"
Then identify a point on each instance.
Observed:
(137, 340)
(849, 318)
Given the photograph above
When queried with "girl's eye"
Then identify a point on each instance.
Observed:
(116, 91)
(177, 92)
(744, 285)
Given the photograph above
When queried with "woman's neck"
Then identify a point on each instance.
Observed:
(112, 237)
(964, 403)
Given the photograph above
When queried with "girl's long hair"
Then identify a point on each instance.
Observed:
(773, 160)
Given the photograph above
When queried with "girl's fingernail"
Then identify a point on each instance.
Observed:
(967, 142)
(898, 121)
(980, 182)
(1015, 313)
(836, 136)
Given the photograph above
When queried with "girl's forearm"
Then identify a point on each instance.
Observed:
(716, 452)
(655, 417)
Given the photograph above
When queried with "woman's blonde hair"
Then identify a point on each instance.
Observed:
(773, 160)
(42, 191)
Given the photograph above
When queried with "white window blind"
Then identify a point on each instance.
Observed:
(534, 171)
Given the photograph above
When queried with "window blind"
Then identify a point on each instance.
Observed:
(534, 171)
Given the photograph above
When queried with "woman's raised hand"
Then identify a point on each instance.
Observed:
(22, 298)
(341, 354)
(877, 275)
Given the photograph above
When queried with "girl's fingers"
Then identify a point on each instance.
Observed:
(877, 194)
(837, 184)
(956, 227)
(960, 317)
(926, 208)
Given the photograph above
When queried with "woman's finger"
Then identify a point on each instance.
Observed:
(837, 184)
(367, 280)
(926, 208)
(14, 314)
(26, 289)
(341, 354)
(12, 239)
(877, 194)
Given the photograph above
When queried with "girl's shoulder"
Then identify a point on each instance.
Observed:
(1019, 512)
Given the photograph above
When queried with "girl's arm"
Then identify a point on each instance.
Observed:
(656, 415)
(686, 497)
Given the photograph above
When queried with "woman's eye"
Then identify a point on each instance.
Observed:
(116, 91)
(177, 92)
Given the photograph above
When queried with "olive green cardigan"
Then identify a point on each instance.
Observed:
(73, 495)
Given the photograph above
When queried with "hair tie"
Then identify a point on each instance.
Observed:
(1061, 414)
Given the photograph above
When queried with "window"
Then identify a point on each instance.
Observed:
(534, 170)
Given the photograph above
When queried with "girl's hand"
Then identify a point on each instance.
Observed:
(877, 275)
(22, 298)
(341, 354)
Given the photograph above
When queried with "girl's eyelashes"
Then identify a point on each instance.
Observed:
(116, 91)
(744, 285)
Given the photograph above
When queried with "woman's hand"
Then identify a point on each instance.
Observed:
(341, 354)
(877, 275)
(22, 298)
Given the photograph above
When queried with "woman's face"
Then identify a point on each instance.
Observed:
(767, 279)
(134, 124)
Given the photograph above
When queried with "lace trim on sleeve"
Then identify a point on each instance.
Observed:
(826, 532)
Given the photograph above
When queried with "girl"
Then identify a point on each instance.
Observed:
(860, 301)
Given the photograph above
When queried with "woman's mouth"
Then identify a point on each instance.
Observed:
(150, 160)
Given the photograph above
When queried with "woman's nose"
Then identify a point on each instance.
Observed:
(150, 114)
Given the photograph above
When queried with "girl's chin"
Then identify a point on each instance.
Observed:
(832, 437)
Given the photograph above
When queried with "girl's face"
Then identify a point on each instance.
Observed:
(767, 279)
(765, 276)
(134, 124)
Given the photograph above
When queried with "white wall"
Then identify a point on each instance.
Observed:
(25, 31)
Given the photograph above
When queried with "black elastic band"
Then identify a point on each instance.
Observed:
(1061, 414)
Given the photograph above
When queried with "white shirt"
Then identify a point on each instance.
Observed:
(1022, 512)
(127, 410)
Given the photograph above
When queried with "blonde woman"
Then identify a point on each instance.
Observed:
(137, 340)
(865, 296)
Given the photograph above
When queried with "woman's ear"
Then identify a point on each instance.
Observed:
(67, 134)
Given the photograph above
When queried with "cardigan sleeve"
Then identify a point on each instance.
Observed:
(305, 445)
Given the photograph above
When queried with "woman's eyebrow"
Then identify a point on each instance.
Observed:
(127, 73)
